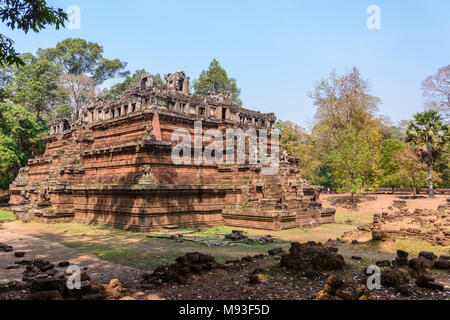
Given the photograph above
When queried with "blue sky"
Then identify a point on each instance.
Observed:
(275, 49)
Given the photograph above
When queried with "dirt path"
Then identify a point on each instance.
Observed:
(99, 270)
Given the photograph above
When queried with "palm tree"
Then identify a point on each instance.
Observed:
(428, 135)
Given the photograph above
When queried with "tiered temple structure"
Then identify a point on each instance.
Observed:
(114, 167)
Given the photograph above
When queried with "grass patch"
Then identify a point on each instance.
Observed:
(357, 218)
(319, 233)
(415, 246)
(7, 216)
(223, 230)
(136, 249)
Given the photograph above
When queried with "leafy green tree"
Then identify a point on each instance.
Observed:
(215, 80)
(347, 132)
(25, 15)
(390, 165)
(21, 133)
(442, 167)
(6, 79)
(342, 101)
(78, 56)
(297, 142)
(354, 161)
(37, 85)
(81, 90)
(428, 135)
(157, 79)
(84, 68)
(412, 172)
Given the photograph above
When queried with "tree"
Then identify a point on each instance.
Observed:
(297, 142)
(21, 135)
(347, 131)
(215, 80)
(77, 56)
(390, 165)
(25, 15)
(398, 131)
(84, 68)
(428, 135)
(343, 101)
(442, 167)
(81, 89)
(6, 78)
(353, 161)
(157, 79)
(412, 172)
(37, 85)
(436, 89)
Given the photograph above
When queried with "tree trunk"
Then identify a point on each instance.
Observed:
(393, 189)
(430, 182)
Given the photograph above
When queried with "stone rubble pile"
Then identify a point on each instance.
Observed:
(429, 225)
(232, 239)
(236, 235)
(43, 281)
(182, 269)
(5, 248)
(312, 257)
(338, 289)
(401, 272)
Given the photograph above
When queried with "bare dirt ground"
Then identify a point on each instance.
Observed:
(100, 271)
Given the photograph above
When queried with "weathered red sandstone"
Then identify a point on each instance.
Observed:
(114, 167)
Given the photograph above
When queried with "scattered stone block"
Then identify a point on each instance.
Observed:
(442, 264)
(47, 267)
(275, 251)
(423, 281)
(383, 263)
(401, 261)
(394, 277)
(44, 295)
(180, 271)
(5, 248)
(257, 276)
(427, 255)
(417, 265)
(402, 254)
(427, 263)
(63, 264)
(13, 267)
(47, 284)
(337, 289)
(236, 235)
(435, 286)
